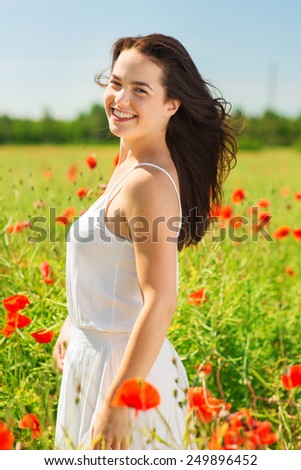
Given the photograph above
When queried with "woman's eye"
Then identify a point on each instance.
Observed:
(112, 82)
(140, 90)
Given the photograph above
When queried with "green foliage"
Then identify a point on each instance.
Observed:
(87, 128)
(268, 130)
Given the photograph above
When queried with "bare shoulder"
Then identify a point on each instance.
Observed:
(151, 204)
(150, 187)
(144, 175)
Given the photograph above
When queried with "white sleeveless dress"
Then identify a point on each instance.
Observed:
(104, 300)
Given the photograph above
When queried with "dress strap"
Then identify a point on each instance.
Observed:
(166, 172)
(171, 179)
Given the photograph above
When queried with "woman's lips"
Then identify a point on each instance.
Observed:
(122, 116)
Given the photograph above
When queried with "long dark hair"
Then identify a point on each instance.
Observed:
(199, 135)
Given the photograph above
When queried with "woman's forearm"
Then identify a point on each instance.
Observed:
(144, 344)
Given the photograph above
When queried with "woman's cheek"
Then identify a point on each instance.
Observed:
(108, 99)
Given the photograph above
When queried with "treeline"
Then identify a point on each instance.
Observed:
(254, 132)
(86, 127)
(268, 130)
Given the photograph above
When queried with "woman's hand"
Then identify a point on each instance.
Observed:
(111, 428)
(61, 344)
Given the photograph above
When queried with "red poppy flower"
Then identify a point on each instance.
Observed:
(292, 377)
(6, 437)
(240, 418)
(69, 212)
(137, 394)
(48, 280)
(45, 271)
(238, 196)
(43, 336)
(297, 234)
(16, 320)
(290, 271)
(72, 173)
(115, 162)
(15, 303)
(66, 216)
(298, 196)
(62, 220)
(225, 212)
(225, 438)
(215, 210)
(91, 161)
(264, 433)
(206, 406)
(14, 228)
(263, 203)
(18, 227)
(205, 369)
(236, 221)
(48, 174)
(7, 330)
(252, 210)
(281, 232)
(197, 297)
(285, 191)
(265, 217)
(81, 192)
(45, 268)
(241, 431)
(31, 421)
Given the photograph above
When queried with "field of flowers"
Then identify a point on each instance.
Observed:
(238, 319)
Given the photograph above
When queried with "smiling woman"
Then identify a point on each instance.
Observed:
(122, 280)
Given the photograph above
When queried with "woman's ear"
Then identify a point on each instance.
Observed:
(172, 107)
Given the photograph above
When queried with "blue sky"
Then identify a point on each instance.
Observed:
(50, 50)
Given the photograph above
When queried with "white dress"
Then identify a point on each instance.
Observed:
(104, 301)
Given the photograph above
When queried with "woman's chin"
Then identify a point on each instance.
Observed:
(117, 132)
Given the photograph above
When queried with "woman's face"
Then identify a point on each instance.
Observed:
(135, 100)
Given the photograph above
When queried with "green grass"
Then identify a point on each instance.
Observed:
(249, 329)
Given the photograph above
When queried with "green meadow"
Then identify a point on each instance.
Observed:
(247, 326)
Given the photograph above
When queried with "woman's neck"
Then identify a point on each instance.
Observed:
(141, 152)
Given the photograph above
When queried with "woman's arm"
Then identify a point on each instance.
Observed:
(61, 344)
(149, 200)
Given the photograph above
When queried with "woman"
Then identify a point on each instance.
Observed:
(122, 255)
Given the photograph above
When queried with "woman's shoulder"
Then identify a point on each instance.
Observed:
(152, 179)
(148, 192)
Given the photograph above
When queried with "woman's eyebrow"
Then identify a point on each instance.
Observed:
(135, 82)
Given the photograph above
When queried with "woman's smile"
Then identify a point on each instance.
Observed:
(121, 116)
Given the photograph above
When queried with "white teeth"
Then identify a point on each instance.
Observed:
(123, 115)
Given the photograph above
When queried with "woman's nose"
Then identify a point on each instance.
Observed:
(121, 97)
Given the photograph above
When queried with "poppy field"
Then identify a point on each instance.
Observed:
(238, 319)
